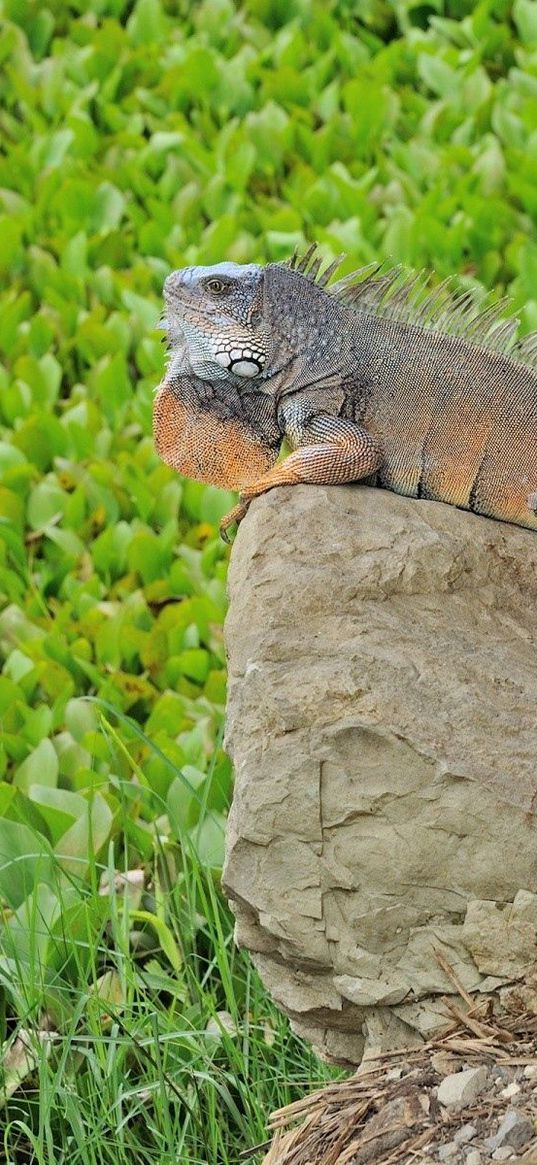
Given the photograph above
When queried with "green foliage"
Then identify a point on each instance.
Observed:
(138, 137)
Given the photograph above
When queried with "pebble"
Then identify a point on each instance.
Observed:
(504, 1153)
(501, 1073)
(473, 1157)
(512, 1090)
(442, 1062)
(446, 1152)
(465, 1134)
(515, 1131)
(461, 1088)
(530, 1071)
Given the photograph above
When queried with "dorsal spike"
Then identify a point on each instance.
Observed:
(409, 297)
(525, 349)
(330, 270)
(303, 263)
(310, 264)
(313, 268)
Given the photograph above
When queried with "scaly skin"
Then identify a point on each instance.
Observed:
(263, 354)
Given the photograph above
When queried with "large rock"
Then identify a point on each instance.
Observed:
(382, 719)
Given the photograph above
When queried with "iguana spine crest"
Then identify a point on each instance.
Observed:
(412, 298)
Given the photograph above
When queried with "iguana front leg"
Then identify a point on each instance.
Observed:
(327, 450)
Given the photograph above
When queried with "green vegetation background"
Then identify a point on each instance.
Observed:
(136, 137)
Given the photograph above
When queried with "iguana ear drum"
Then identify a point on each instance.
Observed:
(241, 361)
(203, 446)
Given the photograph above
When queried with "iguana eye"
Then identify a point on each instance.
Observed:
(217, 286)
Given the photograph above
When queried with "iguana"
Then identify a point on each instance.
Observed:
(376, 377)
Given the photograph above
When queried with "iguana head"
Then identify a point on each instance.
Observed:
(276, 326)
(217, 314)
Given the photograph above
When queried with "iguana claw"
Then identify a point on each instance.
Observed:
(234, 517)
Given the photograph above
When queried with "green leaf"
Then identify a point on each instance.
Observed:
(26, 938)
(9, 694)
(80, 717)
(112, 384)
(147, 23)
(10, 457)
(438, 75)
(25, 859)
(46, 501)
(41, 439)
(525, 18)
(184, 799)
(164, 934)
(85, 837)
(208, 839)
(18, 665)
(193, 663)
(59, 808)
(40, 767)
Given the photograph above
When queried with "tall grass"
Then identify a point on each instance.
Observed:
(135, 1029)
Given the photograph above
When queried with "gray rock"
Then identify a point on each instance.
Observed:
(503, 1154)
(465, 1134)
(381, 719)
(473, 1157)
(515, 1131)
(461, 1088)
(511, 1090)
(446, 1152)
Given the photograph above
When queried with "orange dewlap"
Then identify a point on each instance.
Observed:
(201, 445)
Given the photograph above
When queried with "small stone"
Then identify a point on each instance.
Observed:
(465, 1134)
(446, 1152)
(515, 1131)
(394, 1073)
(473, 1157)
(461, 1088)
(443, 1062)
(530, 1071)
(504, 1153)
(512, 1090)
(424, 1101)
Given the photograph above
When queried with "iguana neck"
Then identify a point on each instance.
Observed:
(312, 334)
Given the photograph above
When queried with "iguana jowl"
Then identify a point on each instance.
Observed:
(375, 376)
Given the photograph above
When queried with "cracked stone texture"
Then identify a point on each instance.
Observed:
(382, 720)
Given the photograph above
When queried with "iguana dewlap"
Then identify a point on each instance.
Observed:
(375, 376)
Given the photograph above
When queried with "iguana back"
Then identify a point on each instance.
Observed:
(457, 423)
(375, 376)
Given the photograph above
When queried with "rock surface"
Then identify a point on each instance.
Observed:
(461, 1088)
(382, 720)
